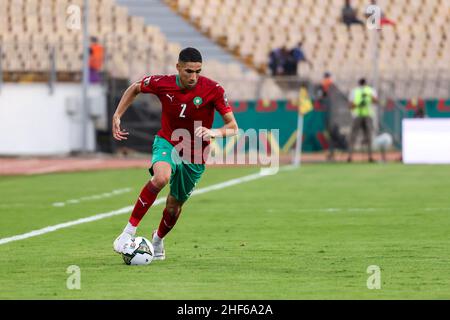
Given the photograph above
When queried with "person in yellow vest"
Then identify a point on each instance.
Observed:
(95, 60)
(361, 99)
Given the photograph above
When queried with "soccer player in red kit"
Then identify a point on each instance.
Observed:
(189, 102)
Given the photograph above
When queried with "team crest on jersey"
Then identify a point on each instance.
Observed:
(147, 81)
(197, 101)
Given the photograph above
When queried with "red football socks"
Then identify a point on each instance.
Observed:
(146, 198)
(167, 223)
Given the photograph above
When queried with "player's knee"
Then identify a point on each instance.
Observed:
(161, 181)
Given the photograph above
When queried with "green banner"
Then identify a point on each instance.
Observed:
(282, 115)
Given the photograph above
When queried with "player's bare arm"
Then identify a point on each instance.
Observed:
(125, 102)
(374, 99)
(230, 128)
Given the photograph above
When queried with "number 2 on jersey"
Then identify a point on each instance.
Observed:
(183, 108)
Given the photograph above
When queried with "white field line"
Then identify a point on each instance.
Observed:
(94, 197)
(437, 209)
(127, 209)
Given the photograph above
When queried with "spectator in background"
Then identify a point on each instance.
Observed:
(284, 62)
(298, 56)
(280, 62)
(273, 62)
(336, 140)
(326, 82)
(383, 20)
(419, 109)
(419, 112)
(289, 63)
(276, 61)
(95, 60)
(324, 100)
(361, 99)
(349, 15)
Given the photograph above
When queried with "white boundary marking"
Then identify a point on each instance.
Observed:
(94, 197)
(127, 209)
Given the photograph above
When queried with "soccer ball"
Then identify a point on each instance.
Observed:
(138, 251)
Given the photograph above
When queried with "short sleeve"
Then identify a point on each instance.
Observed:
(220, 101)
(149, 85)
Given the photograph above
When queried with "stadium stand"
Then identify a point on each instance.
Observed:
(34, 31)
(413, 54)
(32, 28)
(416, 49)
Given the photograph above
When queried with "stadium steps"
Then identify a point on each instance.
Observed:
(176, 29)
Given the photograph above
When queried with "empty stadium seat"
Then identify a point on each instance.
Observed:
(249, 29)
(421, 32)
(46, 24)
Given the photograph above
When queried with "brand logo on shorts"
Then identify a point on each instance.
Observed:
(164, 153)
(197, 101)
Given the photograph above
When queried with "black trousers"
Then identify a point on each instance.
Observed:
(366, 125)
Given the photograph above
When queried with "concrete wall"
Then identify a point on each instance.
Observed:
(33, 122)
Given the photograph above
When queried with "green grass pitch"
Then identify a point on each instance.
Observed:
(309, 233)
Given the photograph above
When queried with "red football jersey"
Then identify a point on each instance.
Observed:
(186, 109)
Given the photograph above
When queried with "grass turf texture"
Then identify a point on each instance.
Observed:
(301, 234)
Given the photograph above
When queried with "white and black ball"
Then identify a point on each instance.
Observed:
(138, 251)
